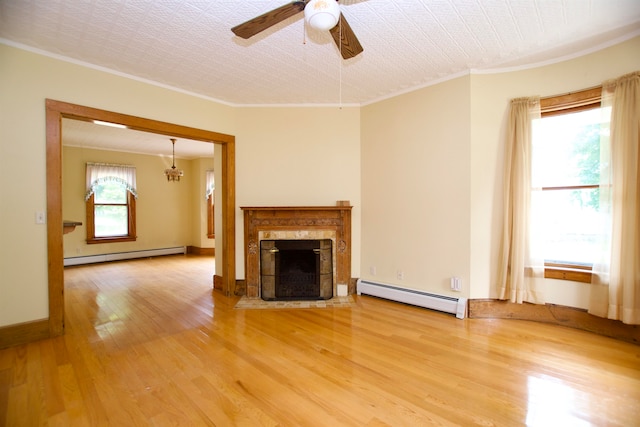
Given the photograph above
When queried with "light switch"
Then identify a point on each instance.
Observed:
(41, 218)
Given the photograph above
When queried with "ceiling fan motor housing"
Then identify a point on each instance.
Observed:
(322, 15)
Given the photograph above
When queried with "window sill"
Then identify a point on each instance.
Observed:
(581, 274)
(111, 240)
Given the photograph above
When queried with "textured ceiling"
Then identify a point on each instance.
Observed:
(188, 44)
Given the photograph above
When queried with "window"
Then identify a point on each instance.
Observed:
(111, 203)
(566, 168)
(210, 192)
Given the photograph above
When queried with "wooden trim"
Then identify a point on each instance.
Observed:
(228, 219)
(555, 314)
(195, 250)
(54, 220)
(353, 286)
(55, 112)
(211, 229)
(23, 333)
(574, 273)
(218, 283)
(572, 101)
(293, 218)
(91, 225)
(132, 215)
(572, 187)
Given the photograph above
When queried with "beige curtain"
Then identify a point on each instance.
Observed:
(521, 272)
(616, 278)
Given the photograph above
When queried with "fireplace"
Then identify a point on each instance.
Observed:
(328, 224)
(296, 270)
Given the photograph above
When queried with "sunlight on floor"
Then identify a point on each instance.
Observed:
(551, 403)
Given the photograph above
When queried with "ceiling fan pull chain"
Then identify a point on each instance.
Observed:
(340, 62)
(304, 33)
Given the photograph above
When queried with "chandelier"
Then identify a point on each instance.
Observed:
(173, 174)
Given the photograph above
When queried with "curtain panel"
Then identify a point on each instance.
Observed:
(615, 293)
(101, 172)
(210, 183)
(521, 271)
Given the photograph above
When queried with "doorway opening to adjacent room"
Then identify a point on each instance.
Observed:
(55, 112)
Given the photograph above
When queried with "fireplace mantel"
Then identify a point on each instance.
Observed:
(296, 222)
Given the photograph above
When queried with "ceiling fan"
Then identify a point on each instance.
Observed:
(320, 14)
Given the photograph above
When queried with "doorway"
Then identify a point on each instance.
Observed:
(55, 112)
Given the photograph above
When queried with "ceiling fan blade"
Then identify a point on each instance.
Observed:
(346, 39)
(269, 19)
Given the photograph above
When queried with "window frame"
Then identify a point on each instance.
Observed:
(131, 224)
(559, 105)
(211, 231)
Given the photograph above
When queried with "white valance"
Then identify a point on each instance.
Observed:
(102, 172)
(210, 184)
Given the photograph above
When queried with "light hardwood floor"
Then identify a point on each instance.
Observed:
(147, 343)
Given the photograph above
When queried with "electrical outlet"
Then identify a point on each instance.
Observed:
(372, 270)
(400, 275)
(456, 284)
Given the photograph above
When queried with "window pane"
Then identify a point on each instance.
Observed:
(111, 221)
(571, 224)
(111, 192)
(566, 149)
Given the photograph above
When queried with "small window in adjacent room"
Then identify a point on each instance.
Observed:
(210, 192)
(566, 168)
(111, 203)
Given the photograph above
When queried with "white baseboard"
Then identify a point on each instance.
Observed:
(92, 259)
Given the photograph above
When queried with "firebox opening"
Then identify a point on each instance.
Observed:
(296, 269)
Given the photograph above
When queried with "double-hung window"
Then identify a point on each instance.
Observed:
(111, 203)
(566, 182)
(210, 193)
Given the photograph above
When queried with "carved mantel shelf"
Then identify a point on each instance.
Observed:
(261, 220)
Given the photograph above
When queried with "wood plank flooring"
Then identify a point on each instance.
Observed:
(147, 343)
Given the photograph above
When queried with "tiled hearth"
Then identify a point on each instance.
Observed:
(292, 223)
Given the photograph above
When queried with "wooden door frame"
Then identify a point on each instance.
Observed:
(55, 112)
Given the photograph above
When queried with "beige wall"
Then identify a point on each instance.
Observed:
(308, 155)
(490, 95)
(432, 174)
(320, 144)
(26, 80)
(198, 202)
(416, 188)
(168, 214)
(423, 170)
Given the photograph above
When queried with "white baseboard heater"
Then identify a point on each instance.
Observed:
(91, 259)
(457, 306)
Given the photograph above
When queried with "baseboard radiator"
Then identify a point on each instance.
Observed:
(457, 306)
(91, 259)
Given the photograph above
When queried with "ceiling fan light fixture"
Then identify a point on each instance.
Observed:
(322, 15)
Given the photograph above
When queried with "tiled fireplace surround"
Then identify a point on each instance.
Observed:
(295, 223)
